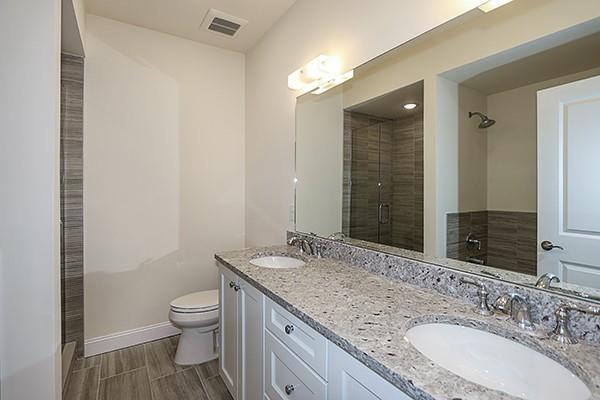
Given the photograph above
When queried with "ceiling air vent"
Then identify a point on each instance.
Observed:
(219, 22)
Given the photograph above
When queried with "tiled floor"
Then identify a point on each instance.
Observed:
(144, 372)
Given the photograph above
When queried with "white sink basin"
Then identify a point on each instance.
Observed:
(497, 363)
(277, 262)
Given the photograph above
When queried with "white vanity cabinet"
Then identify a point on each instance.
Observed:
(349, 379)
(266, 353)
(241, 337)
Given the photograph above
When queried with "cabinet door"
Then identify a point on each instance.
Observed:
(251, 305)
(349, 379)
(228, 330)
(287, 377)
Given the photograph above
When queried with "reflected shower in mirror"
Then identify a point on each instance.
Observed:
(383, 169)
(481, 157)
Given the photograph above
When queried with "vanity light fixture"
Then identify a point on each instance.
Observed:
(318, 76)
(493, 4)
(410, 106)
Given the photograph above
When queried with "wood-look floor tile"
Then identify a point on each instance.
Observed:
(184, 385)
(160, 357)
(132, 385)
(208, 369)
(117, 362)
(216, 389)
(83, 384)
(88, 362)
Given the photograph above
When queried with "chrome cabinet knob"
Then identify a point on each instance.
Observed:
(289, 389)
(236, 287)
(231, 284)
(547, 245)
(289, 329)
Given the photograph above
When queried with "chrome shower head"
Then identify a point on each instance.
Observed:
(485, 121)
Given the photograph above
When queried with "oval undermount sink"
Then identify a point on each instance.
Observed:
(496, 363)
(277, 262)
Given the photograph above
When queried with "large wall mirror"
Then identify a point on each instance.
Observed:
(475, 146)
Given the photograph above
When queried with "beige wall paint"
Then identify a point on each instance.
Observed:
(354, 32)
(475, 36)
(512, 145)
(29, 167)
(472, 151)
(163, 164)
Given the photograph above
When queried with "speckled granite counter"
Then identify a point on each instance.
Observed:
(367, 315)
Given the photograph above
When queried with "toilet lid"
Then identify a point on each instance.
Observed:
(207, 300)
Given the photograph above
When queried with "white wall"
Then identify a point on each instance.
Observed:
(472, 151)
(356, 33)
(163, 165)
(73, 27)
(320, 162)
(29, 211)
(512, 145)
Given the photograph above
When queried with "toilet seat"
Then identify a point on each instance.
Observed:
(197, 302)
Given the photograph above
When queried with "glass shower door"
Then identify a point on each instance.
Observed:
(370, 211)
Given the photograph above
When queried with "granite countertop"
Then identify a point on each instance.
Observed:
(368, 315)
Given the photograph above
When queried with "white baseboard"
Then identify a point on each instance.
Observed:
(120, 340)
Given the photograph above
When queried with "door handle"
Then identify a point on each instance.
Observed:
(547, 245)
(384, 219)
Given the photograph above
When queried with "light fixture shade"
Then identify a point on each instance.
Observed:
(319, 75)
(493, 4)
(410, 106)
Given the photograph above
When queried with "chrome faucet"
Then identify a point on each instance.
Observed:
(516, 306)
(546, 280)
(303, 244)
(561, 332)
(482, 308)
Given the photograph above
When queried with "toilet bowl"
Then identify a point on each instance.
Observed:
(197, 315)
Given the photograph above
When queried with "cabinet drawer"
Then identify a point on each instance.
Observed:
(287, 377)
(304, 341)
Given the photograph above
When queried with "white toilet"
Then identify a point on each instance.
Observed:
(197, 315)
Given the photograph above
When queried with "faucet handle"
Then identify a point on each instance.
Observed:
(562, 332)
(545, 280)
(482, 307)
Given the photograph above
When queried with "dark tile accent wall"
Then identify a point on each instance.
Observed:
(71, 199)
(407, 173)
(512, 241)
(391, 152)
(508, 239)
(459, 227)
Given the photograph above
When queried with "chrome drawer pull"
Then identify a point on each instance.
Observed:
(289, 329)
(289, 389)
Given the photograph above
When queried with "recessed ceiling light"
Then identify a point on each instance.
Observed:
(410, 106)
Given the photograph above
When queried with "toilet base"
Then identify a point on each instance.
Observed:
(196, 346)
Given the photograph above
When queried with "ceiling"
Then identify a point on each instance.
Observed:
(576, 56)
(183, 17)
(390, 104)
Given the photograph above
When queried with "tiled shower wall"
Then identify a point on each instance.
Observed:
(71, 199)
(508, 239)
(390, 151)
(407, 181)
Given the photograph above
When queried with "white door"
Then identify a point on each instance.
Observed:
(569, 182)
(228, 330)
(251, 303)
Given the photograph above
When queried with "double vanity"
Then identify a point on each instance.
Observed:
(299, 326)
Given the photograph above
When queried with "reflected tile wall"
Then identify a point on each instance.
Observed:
(508, 239)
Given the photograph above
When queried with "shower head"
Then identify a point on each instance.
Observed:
(485, 121)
